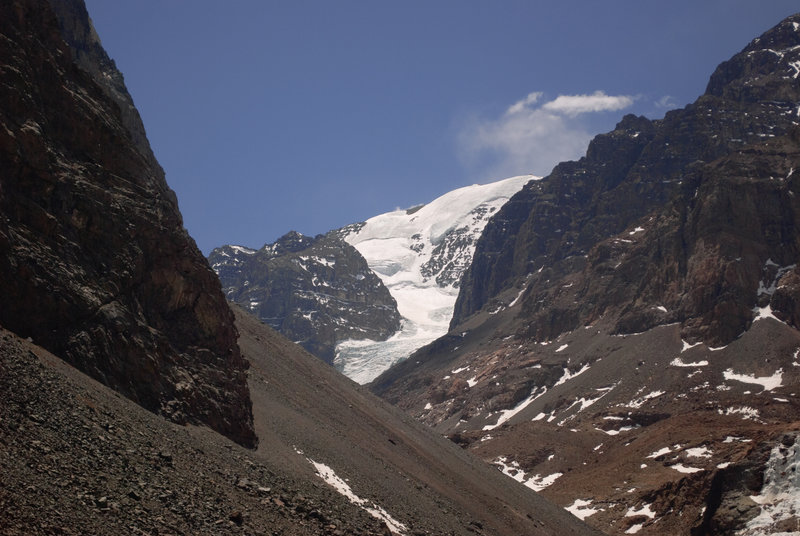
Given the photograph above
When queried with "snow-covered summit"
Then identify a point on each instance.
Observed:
(420, 254)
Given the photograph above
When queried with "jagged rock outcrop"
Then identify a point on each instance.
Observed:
(315, 291)
(95, 264)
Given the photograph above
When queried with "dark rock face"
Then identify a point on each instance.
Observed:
(553, 220)
(708, 191)
(316, 291)
(88, 53)
(94, 262)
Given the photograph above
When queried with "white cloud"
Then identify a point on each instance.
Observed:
(532, 138)
(598, 101)
(520, 106)
(665, 102)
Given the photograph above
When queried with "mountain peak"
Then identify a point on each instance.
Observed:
(767, 69)
(290, 242)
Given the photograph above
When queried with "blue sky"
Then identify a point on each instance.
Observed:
(270, 116)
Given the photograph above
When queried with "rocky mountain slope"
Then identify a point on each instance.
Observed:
(316, 291)
(96, 271)
(95, 264)
(626, 338)
(79, 459)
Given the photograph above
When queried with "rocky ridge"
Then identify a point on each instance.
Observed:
(316, 291)
(640, 167)
(95, 264)
(635, 313)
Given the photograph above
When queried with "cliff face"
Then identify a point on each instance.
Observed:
(94, 262)
(642, 166)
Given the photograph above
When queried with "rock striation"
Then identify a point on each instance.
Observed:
(315, 291)
(95, 264)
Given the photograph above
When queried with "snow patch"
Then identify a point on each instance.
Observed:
(684, 469)
(659, 452)
(639, 402)
(568, 375)
(515, 300)
(506, 414)
(762, 313)
(699, 452)
(731, 439)
(677, 362)
(586, 402)
(332, 479)
(617, 432)
(513, 470)
(767, 383)
(537, 483)
(580, 509)
(244, 250)
(643, 511)
(687, 346)
(745, 411)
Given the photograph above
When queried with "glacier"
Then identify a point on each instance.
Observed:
(420, 255)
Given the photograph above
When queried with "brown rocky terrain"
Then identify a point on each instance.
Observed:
(626, 339)
(95, 264)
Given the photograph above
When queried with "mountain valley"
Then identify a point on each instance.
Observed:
(135, 399)
(611, 349)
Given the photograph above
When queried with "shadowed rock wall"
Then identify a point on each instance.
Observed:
(95, 264)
